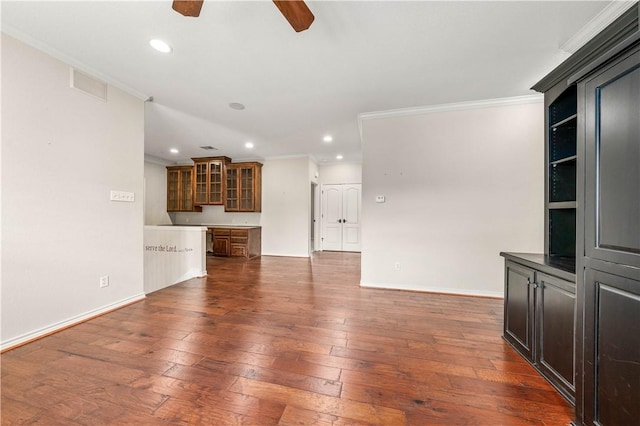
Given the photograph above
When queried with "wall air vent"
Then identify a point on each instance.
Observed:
(88, 84)
(209, 148)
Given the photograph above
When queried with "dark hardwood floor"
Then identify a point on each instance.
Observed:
(283, 341)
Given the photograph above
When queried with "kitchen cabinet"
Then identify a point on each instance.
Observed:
(540, 317)
(244, 187)
(209, 180)
(237, 241)
(221, 241)
(180, 189)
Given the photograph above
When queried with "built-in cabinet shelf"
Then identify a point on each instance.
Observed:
(561, 157)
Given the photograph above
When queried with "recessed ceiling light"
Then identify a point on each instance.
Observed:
(160, 46)
(174, 151)
(236, 105)
(248, 145)
(328, 138)
(339, 157)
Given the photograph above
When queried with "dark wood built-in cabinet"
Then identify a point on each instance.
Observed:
(210, 176)
(180, 189)
(574, 311)
(236, 241)
(215, 181)
(244, 187)
(539, 316)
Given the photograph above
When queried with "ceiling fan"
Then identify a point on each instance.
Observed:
(295, 11)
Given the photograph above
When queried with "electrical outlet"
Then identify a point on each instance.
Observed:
(396, 266)
(104, 281)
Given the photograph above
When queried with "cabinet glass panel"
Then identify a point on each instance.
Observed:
(172, 190)
(185, 196)
(232, 189)
(562, 232)
(200, 195)
(562, 181)
(618, 145)
(215, 182)
(246, 197)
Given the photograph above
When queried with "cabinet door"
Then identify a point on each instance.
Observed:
(519, 312)
(231, 204)
(247, 175)
(186, 191)
(215, 179)
(612, 126)
(200, 184)
(555, 323)
(173, 178)
(221, 245)
(612, 349)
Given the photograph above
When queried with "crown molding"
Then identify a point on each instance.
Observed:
(458, 106)
(157, 160)
(602, 20)
(55, 53)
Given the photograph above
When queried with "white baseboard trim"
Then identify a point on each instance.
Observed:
(53, 328)
(443, 290)
(285, 255)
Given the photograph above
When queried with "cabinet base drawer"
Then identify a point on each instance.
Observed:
(238, 250)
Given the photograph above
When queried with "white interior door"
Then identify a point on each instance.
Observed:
(351, 204)
(332, 217)
(341, 206)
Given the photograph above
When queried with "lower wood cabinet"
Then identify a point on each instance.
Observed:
(611, 345)
(540, 319)
(237, 242)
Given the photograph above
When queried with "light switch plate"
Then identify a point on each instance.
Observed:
(379, 198)
(127, 197)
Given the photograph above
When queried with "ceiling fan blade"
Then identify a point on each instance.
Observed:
(188, 7)
(296, 12)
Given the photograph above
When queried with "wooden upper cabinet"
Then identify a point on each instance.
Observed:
(180, 189)
(209, 180)
(244, 187)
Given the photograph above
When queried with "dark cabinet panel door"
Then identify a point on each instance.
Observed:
(519, 308)
(612, 349)
(612, 126)
(555, 352)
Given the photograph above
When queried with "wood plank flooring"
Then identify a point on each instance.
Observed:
(281, 341)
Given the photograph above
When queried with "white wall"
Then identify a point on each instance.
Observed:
(215, 215)
(155, 194)
(460, 187)
(340, 173)
(286, 201)
(62, 153)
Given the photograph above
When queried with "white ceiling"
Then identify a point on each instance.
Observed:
(357, 57)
